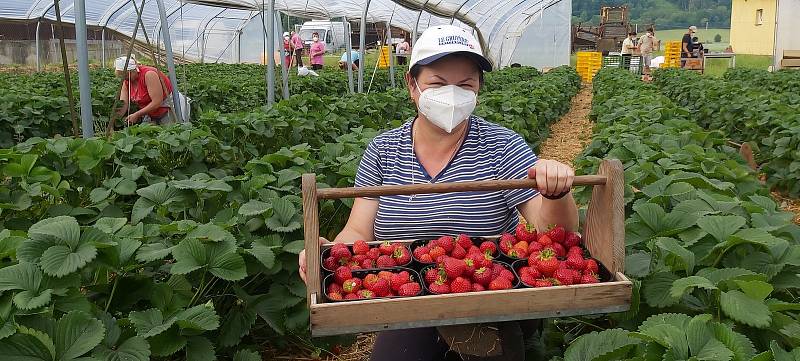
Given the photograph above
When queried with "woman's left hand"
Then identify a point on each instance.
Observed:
(552, 177)
(133, 118)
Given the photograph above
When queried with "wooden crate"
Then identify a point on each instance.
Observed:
(604, 236)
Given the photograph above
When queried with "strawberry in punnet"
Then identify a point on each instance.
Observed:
(464, 241)
(477, 287)
(334, 287)
(382, 287)
(431, 275)
(330, 263)
(360, 247)
(528, 279)
(521, 247)
(575, 262)
(488, 247)
(385, 261)
(359, 259)
(504, 273)
(365, 294)
(589, 278)
(385, 275)
(373, 254)
(460, 285)
(352, 296)
(563, 276)
(426, 258)
(399, 279)
(575, 250)
(453, 267)
(340, 251)
(572, 239)
(546, 262)
(496, 269)
(437, 251)
(542, 283)
(544, 240)
(473, 249)
(500, 284)
(447, 243)
(409, 289)
(515, 253)
(369, 281)
(386, 248)
(559, 250)
(506, 242)
(352, 285)
(336, 296)
(526, 232)
(439, 287)
(590, 266)
(342, 274)
(401, 256)
(368, 263)
(482, 276)
(469, 270)
(419, 251)
(557, 233)
(458, 252)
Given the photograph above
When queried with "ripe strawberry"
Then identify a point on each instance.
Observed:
(401, 255)
(575, 250)
(336, 296)
(526, 232)
(543, 282)
(469, 270)
(385, 275)
(544, 240)
(575, 262)
(521, 247)
(369, 281)
(513, 253)
(500, 284)
(330, 263)
(460, 285)
(528, 279)
(473, 249)
(419, 251)
(342, 274)
(546, 262)
(496, 269)
(447, 243)
(506, 274)
(352, 296)
(385, 261)
(426, 258)
(477, 287)
(437, 251)
(366, 294)
(564, 276)
(534, 247)
(507, 241)
(360, 247)
(486, 261)
(483, 276)
(590, 265)
(352, 285)
(559, 250)
(382, 287)
(572, 239)
(431, 275)
(557, 233)
(335, 287)
(454, 267)
(458, 252)
(409, 289)
(354, 266)
(386, 248)
(373, 253)
(368, 263)
(439, 287)
(464, 241)
(588, 278)
(358, 259)
(399, 279)
(488, 247)
(339, 251)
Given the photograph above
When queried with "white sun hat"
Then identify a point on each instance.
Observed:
(442, 40)
(119, 63)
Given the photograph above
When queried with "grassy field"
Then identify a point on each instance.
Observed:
(705, 36)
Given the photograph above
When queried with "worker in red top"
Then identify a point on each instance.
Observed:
(297, 45)
(147, 87)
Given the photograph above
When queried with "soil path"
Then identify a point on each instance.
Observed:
(573, 132)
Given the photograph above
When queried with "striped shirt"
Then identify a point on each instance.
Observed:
(488, 152)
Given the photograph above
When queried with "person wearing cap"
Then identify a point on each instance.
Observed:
(446, 143)
(355, 57)
(687, 44)
(145, 86)
(647, 44)
(287, 49)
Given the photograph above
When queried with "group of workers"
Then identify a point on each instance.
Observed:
(648, 43)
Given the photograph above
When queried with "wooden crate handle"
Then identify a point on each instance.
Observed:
(428, 188)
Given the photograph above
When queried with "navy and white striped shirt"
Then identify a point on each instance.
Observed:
(488, 152)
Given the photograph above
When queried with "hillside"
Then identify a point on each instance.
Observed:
(666, 14)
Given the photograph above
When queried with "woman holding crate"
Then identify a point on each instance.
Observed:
(446, 143)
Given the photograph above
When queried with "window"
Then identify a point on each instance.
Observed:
(760, 17)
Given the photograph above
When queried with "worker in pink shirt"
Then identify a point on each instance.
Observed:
(297, 45)
(316, 51)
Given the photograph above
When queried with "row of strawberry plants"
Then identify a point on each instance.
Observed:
(173, 242)
(783, 81)
(745, 111)
(714, 261)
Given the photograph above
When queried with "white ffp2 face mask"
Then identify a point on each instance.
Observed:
(446, 106)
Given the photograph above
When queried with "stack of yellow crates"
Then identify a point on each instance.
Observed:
(589, 63)
(672, 55)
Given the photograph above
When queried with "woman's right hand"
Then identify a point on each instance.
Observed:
(302, 260)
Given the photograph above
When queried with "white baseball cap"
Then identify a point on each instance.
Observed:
(439, 41)
(693, 28)
(119, 63)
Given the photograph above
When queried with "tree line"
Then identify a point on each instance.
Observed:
(665, 14)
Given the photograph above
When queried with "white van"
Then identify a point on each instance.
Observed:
(332, 33)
